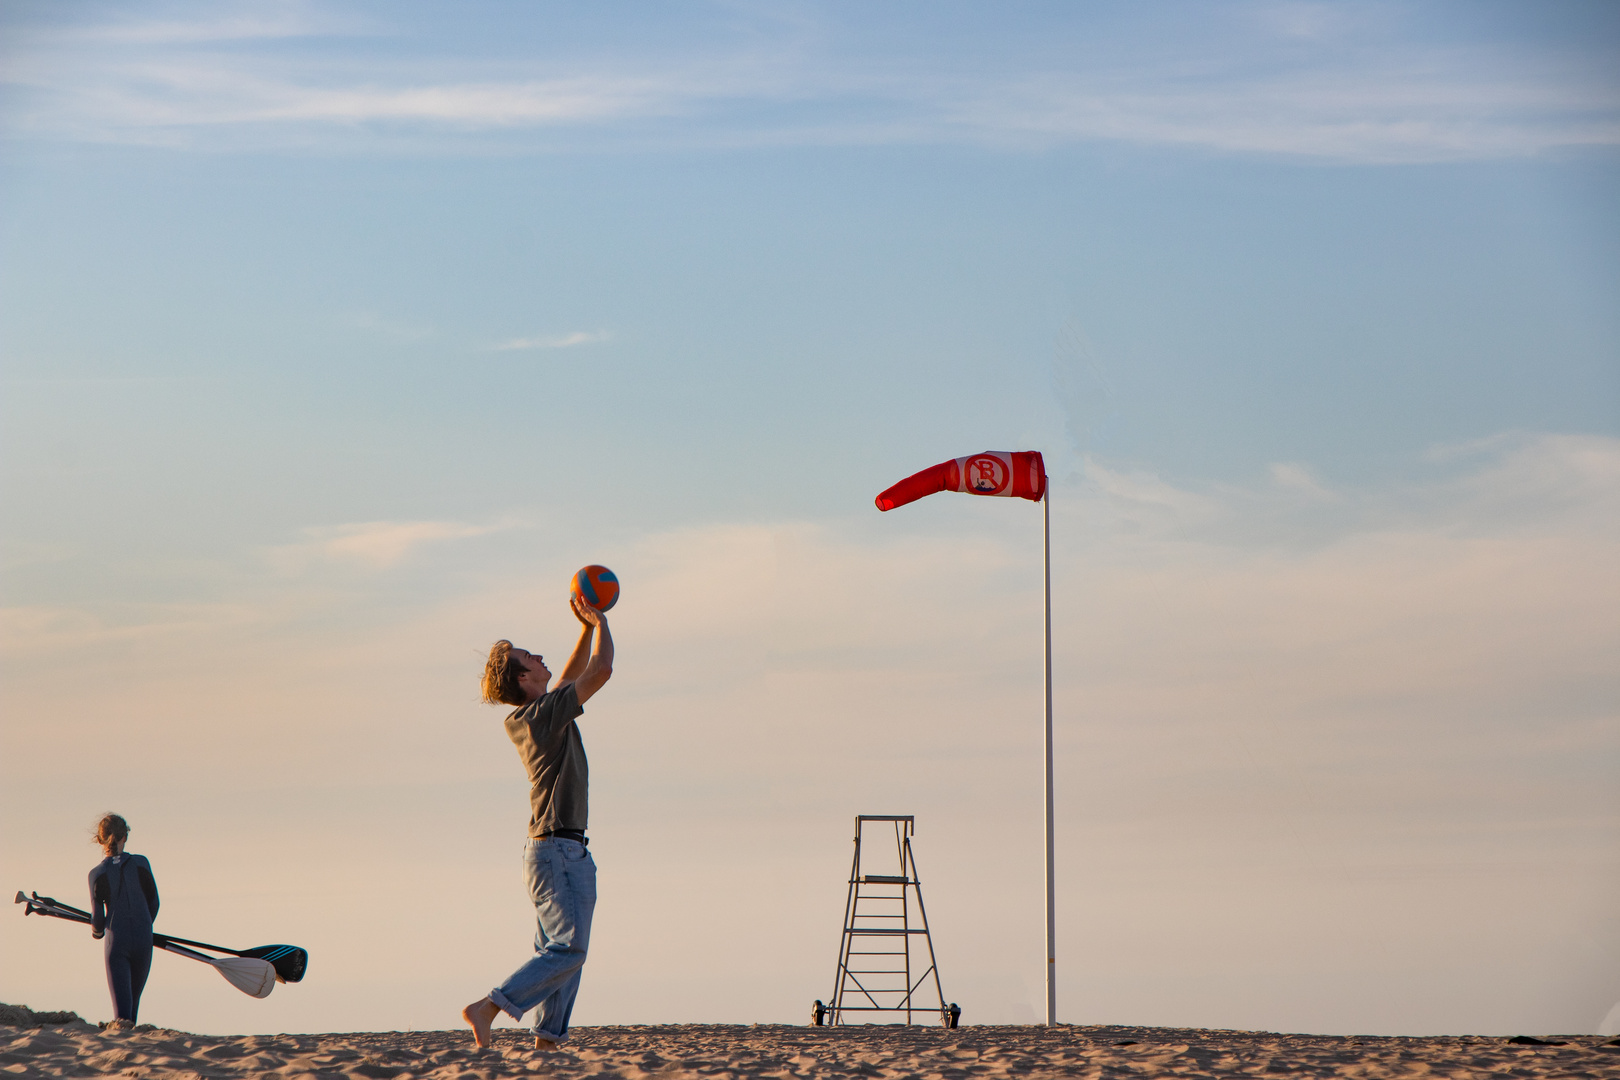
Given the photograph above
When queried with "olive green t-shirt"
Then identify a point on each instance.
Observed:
(548, 742)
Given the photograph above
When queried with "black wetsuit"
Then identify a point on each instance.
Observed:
(123, 903)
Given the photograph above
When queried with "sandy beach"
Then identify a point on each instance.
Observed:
(724, 1052)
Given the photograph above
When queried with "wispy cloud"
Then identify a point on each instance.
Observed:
(1294, 477)
(200, 95)
(266, 22)
(1294, 80)
(44, 630)
(1385, 113)
(558, 341)
(375, 544)
(1522, 483)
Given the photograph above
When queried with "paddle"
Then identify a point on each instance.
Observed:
(288, 960)
(254, 971)
(253, 977)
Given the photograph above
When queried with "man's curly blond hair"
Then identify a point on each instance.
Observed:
(501, 675)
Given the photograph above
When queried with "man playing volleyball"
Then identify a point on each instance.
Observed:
(560, 871)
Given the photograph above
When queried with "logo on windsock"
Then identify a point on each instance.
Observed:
(1017, 474)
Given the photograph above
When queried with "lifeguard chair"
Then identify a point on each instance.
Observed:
(886, 955)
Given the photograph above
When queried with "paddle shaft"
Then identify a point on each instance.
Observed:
(43, 904)
(289, 961)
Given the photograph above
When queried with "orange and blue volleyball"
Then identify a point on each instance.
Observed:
(597, 586)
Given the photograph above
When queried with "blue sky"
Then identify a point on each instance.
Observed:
(335, 336)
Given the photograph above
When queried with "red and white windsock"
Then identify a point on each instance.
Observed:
(1018, 474)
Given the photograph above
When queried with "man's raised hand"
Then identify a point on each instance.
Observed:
(584, 612)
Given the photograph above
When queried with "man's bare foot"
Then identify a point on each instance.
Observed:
(543, 1043)
(481, 1014)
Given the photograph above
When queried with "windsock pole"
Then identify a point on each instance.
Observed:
(1051, 894)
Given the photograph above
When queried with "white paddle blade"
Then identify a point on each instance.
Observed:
(255, 978)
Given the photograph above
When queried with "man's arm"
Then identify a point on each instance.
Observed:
(600, 666)
(582, 649)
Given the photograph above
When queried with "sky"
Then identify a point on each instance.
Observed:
(335, 336)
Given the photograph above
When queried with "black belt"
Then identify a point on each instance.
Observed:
(566, 834)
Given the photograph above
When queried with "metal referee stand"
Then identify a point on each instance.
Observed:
(885, 943)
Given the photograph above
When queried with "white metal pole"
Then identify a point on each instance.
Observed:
(1051, 913)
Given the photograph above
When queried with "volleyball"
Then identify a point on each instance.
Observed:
(597, 586)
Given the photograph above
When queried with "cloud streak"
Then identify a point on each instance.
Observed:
(266, 25)
(1388, 114)
(377, 545)
(559, 341)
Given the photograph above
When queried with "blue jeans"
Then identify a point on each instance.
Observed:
(562, 883)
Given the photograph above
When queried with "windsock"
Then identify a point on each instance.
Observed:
(1019, 474)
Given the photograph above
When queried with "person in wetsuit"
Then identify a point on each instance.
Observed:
(123, 903)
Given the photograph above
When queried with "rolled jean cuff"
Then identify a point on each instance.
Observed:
(506, 1006)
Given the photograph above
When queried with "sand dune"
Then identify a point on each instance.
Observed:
(779, 1052)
